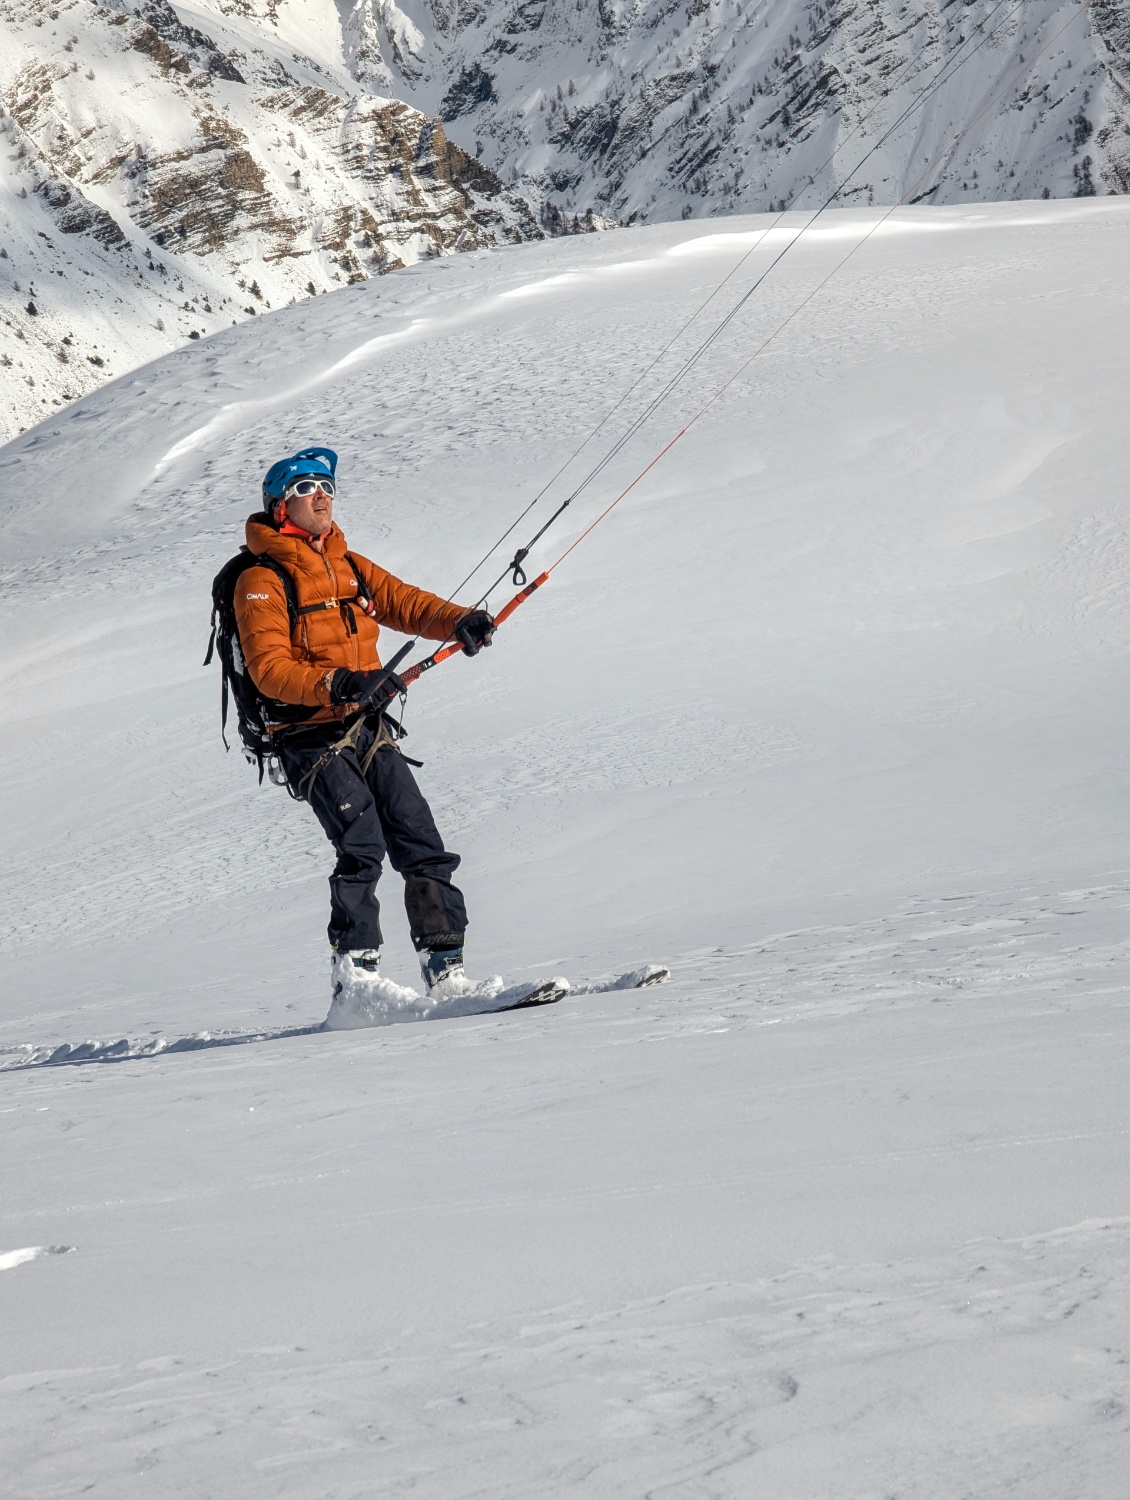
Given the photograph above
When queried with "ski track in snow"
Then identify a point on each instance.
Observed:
(124, 1049)
(829, 717)
(1053, 949)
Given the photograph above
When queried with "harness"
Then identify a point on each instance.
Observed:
(387, 731)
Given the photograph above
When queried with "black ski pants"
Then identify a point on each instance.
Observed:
(367, 816)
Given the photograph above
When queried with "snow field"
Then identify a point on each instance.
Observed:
(594, 1251)
(829, 714)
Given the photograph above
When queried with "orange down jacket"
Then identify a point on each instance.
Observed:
(296, 667)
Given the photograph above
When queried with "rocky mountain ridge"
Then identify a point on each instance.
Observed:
(170, 169)
(162, 181)
(656, 109)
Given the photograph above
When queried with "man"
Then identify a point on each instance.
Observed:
(342, 758)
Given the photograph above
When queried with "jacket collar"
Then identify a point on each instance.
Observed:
(292, 551)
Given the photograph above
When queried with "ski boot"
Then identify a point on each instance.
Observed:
(352, 964)
(445, 979)
(360, 996)
(444, 975)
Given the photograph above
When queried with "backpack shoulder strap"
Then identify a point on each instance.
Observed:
(285, 577)
(223, 590)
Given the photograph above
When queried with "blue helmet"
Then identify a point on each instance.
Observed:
(308, 461)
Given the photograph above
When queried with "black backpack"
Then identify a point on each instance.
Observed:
(254, 712)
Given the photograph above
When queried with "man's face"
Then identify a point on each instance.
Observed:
(314, 513)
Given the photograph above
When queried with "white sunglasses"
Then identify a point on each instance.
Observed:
(308, 486)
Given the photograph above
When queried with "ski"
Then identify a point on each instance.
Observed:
(549, 991)
(544, 992)
(635, 979)
(650, 974)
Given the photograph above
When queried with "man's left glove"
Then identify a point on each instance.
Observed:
(474, 631)
(366, 689)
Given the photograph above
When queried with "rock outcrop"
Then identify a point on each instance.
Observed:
(655, 109)
(165, 182)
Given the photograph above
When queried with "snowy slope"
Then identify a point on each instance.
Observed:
(830, 714)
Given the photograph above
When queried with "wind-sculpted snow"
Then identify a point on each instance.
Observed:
(709, 1386)
(829, 715)
(732, 1232)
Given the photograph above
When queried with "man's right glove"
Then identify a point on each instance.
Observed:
(474, 631)
(366, 689)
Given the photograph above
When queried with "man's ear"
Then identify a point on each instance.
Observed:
(278, 512)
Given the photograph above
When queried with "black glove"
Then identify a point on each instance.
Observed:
(474, 631)
(366, 689)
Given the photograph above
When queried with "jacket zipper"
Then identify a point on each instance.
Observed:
(354, 638)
